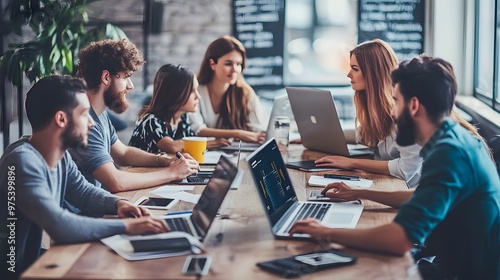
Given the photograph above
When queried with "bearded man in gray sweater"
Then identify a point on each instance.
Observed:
(37, 174)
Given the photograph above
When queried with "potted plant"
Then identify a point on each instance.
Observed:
(60, 32)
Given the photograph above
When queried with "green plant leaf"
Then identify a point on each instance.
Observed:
(85, 17)
(40, 64)
(54, 40)
(55, 55)
(58, 38)
(115, 33)
(69, 60)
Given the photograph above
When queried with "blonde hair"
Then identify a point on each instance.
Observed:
(374, 121)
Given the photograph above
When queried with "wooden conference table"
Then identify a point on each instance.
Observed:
(246, 240)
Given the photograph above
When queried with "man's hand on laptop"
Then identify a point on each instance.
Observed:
(126, 209)
(311, 227)
(145, 225)
(336, 161)
(184, 166)
(342, 190)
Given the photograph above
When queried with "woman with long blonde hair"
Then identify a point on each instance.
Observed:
(229, 107)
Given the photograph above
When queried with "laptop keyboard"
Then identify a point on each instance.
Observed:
(195, 179)
(178, 224)
(309, 210)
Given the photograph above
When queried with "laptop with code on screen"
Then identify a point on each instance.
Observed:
(280, 200)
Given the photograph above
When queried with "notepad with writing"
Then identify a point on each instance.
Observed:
(320, 181)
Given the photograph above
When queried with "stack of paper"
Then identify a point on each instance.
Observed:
(212, 157)
(177, 192)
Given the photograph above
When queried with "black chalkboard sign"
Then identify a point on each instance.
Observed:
(401, 23)
(260, 25)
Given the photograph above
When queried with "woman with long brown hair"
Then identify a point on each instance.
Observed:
(371, 65)
(229, 107)
(163, 123)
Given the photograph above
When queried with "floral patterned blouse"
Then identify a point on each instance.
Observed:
(149, 130)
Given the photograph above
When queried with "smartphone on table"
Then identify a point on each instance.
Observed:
(156, 202)
(197, 265)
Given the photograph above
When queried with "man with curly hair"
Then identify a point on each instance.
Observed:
(107, 66)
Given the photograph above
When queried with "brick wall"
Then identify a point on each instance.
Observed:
(188, 27)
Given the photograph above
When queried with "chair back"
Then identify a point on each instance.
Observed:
(494, 144)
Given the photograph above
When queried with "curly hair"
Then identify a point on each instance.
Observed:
(110, 55)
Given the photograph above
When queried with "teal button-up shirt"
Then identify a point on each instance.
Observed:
(455, 210)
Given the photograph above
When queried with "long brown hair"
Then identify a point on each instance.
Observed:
(173, 85)
(374, 105)
(233, 112)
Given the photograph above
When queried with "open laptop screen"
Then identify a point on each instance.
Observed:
(211, 199)
(272, 180)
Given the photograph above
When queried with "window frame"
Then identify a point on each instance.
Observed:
(490, 101)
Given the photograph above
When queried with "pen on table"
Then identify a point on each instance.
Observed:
(342, 177)
(239, 152)
(179, 212)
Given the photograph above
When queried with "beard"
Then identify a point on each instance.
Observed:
(406, 129)
(115, 100)
(72, 140)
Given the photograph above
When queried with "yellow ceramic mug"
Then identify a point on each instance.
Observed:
(196, 146)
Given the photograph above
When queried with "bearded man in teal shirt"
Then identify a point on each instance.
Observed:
(455, 210)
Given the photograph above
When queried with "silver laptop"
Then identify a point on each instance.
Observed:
(198, 222)
(280, 200)
(281, 107)
(318, 122)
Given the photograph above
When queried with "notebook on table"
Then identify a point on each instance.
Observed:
(199, 221)
(280, 201)
(318, 122)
